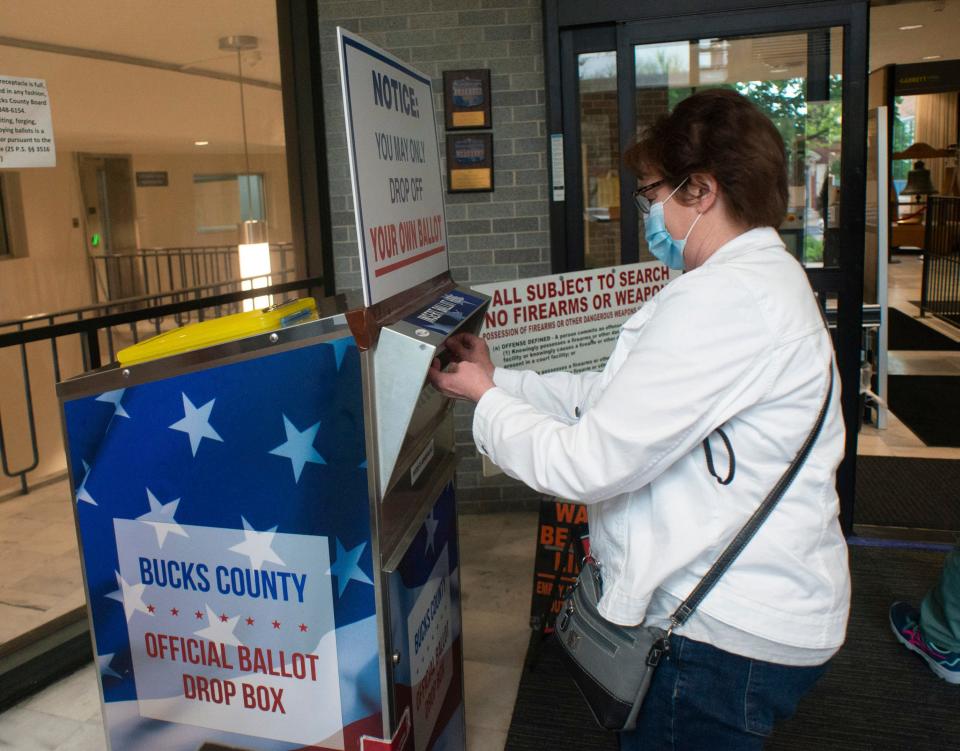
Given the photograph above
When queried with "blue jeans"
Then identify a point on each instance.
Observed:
(704, 698)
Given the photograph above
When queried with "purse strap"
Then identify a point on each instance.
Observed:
(736, 546)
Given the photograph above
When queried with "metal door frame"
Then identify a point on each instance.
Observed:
(571, 26)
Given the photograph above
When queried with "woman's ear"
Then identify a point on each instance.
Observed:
(702, 191)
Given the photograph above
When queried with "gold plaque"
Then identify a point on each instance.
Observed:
(479, 178)
(468, 119)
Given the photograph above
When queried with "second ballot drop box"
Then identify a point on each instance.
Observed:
(268, 536)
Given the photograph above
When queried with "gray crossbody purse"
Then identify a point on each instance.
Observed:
(613, 665)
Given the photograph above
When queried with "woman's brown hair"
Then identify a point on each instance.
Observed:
(721, 133)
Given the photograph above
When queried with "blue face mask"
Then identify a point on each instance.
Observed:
(667, 250)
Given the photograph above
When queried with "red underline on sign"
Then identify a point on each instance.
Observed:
(407, 261)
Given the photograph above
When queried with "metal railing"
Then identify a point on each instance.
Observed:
(108, 327)
(154, 270)
(940, 289)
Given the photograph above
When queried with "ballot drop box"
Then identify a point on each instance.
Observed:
(268, 534)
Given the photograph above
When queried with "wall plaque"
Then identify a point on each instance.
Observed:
(466, 98)
(469, 162)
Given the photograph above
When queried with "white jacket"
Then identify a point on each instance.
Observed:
(737, 343)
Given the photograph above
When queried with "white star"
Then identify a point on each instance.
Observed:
(103, 665)
(114, 397)
(431, 524)
(82, 493)
(298, 447)
(160, 517)
(257, 546)
(219, 630)
(196, 423)
(340, 347)
(345, 567)
(131, 595)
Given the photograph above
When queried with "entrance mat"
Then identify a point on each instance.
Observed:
(929, 406)
(907, 333)
(899, 492)
(876, 694)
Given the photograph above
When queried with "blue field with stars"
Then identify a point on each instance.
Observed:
(225, 537)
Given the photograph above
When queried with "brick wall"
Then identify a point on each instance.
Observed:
(492, 236)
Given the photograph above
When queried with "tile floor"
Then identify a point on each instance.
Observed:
(41, 580)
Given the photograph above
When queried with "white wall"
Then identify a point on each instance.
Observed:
(166, 216)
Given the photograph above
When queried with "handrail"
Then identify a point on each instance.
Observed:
(89, 329)
(83, 326)
(940, 286)
(167, 269)
(123, 301)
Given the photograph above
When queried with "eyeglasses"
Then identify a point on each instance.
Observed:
(640, 199)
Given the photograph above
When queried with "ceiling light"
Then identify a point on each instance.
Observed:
(253, 248)
(911, 27)
(931, 57)
(201, 143)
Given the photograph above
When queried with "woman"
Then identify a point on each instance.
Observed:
(736, 343)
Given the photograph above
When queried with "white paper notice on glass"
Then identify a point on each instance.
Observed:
(26, 128)
(556, 165)
(395, 166)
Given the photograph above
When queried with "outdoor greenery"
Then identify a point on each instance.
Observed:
(812, 249)
(904, 132)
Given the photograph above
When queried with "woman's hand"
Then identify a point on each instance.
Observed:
(462, 380)
(472, 349)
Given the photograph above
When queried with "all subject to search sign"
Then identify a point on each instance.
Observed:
(395, 167)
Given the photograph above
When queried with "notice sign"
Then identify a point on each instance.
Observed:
(26, 130)
(395, 167)
(565, 321)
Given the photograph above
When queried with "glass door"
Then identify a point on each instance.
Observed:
(805, 67)
(796, 79)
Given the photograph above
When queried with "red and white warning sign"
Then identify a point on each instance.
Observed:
(566, 321)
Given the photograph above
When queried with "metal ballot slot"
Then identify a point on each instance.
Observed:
(408, 408)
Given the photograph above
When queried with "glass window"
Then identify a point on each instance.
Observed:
(796, 79)
(140, 103)
(222, 202)
(600, 158)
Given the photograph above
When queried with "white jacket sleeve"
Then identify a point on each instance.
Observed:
(697, 362)
(556, 394)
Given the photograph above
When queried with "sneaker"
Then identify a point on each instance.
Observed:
(905, 622)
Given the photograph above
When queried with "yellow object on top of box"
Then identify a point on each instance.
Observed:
(219, 330)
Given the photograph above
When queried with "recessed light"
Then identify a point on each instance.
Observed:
(931, 57)
(201, 143)
(911, 27)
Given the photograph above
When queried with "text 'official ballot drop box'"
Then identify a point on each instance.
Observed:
(268, 530)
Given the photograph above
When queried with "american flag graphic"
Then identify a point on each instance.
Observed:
(225, 538)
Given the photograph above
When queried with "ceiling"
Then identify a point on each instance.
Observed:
(108, 106)
(103, 105)
(940, 20)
